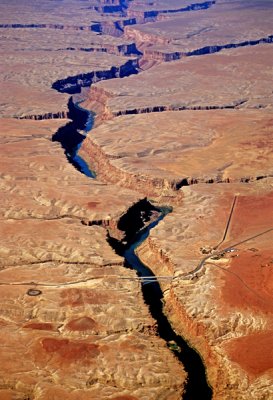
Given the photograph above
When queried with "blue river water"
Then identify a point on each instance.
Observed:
(129, 252)
(71, 140)
(78, 160)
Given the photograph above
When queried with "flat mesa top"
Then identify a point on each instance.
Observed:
(186, 128)
(204, 145)
(221, 24)
(225, 79)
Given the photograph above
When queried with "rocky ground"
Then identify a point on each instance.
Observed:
(50, 55)
(224, 80)
(196, 134)
(221, 293)
(183, 147)
(70, 326)
(219, 24)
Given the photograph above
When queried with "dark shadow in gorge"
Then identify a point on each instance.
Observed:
(71, 139)
(135, 228)
(197, 387)
(136, 220)
(74, 84)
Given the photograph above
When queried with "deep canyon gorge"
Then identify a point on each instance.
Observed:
(136, 200)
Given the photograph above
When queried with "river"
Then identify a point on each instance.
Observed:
(71, 140)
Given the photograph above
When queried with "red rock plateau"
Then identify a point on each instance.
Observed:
(169, 149)
(227, 79)
(221, 292)
(194, 134)
(73, 338)
(54, 42)
(175, 35)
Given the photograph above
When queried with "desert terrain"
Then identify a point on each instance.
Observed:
(136, 200)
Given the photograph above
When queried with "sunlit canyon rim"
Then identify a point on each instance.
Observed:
(135, 223)
(136, 200)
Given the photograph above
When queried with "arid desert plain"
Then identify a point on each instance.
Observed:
(136, 253)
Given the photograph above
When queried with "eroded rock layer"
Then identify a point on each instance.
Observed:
(221, 292)
(173, 149)
(73, 320)
(210, 30)
(64, 308)
(49, 41)
(217, 81)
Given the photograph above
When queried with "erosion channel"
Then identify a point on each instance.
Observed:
(71, 137)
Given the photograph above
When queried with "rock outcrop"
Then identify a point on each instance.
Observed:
(159, 164)
(39, 117)
(187, 84)
(138, 15)
(225, 306)
(107, 171)
(74, 84)
(70, 309)
(64, 306)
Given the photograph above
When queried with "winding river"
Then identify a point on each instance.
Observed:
(71, 140)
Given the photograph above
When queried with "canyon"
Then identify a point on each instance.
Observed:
(136, 200)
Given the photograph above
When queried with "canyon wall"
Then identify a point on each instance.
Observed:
(175, 126)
